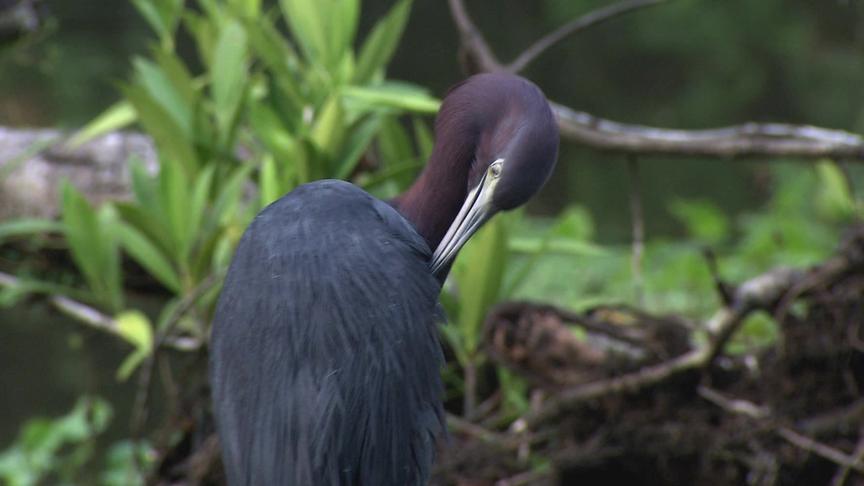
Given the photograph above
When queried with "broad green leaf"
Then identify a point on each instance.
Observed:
(305, 19)
(229, 76)
(110, 275)
(167, 134)
(200, 198)
(247, 8)
(329, 128)
(703, 220)
(553, 245)
(379, 46)
(173, 199)
(401, 96)
(480, 282)
(162, 15)
(225, 207)
(117, 116)
(277, 54)
(323, 28)
(148, 255)
(28, 227)
(394, 142)
(93, 245)
(425, 139)
(135, 328)
(204, 32)
(178, 75)
(834, 197)
(161, 89)
(268, 183)
(268, 127)
(150, 222)
(45, 445)
(143, 185)
(353, 148)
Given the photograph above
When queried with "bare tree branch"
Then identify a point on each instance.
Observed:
(595, 17)
(473, 42)
(747, 140)
(761, 292)
(94, 318)
(760, 413)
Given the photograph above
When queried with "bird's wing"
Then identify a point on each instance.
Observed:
(325, 359)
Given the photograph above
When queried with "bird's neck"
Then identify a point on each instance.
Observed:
(433, 201)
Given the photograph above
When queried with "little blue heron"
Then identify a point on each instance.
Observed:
(325, 354)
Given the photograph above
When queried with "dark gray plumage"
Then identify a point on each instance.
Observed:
(325, 356)
(325, 369)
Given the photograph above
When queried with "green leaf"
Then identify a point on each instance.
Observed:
(134, 327)
(46, 448)
(394, 143)
(147, 254)
(117, 116)
(329, 128)
(93, 245)
(28, 227)
(225, 207)
(174, 202)
(425, 139)
(379, 46)
(229, 76)
(247, 8)
(268, 127)
(401, 96)
(358, 141)
(161, 90)
(480, 282)
(834, 197)
(204, 32)
(268, 183)
(323, 28)
(703, 220)
(162, 15)
(166, 132)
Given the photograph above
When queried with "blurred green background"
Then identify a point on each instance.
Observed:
(685, 64)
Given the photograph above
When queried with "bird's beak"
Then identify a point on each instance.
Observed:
(476, 210)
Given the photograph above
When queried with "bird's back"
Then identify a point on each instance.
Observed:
(324, 357)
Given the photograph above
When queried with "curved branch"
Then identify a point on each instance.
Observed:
(595, 17)
(747, 140)
(94, 318)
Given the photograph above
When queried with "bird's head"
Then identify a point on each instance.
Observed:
(499, 131)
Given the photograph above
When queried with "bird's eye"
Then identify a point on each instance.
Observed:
(495, 169)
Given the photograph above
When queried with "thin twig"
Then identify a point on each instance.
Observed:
(94, 318)
(472, 40)
(745, 140)
(823, 450)
(595, 17)
(638, 228)
(139, 411)
(760, 292)
(842, 473)
(760, 413)
(462, 426)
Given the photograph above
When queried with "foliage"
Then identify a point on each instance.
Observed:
(256, 113)
(57, 451)
(264, 114)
